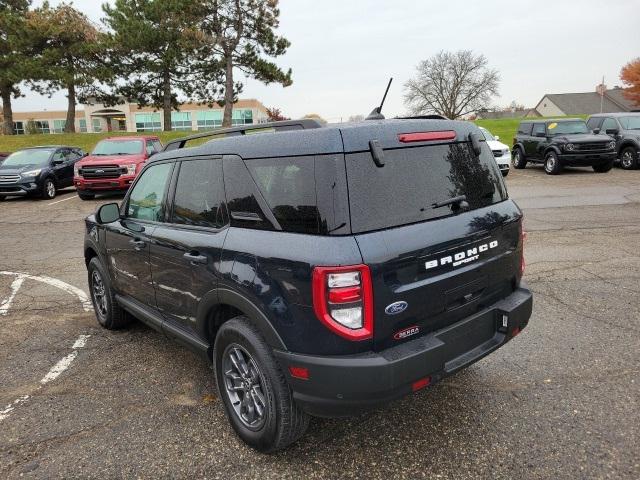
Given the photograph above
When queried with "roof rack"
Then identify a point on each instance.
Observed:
(287, 125)
(424, 117)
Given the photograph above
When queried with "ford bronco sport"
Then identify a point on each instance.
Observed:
(322, 270)
(625, 129)
(113, 164)
(560, 143)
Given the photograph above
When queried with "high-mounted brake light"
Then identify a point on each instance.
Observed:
(343, 300)
(426, 136)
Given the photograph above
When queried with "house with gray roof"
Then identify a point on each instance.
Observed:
(587, 103)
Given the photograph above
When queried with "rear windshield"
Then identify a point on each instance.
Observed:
(414, 179)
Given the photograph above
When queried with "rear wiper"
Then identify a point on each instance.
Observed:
(457, 202)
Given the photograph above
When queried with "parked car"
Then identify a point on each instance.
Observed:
(625, 129)
(309, 300)
(500, 151)
(113, 164)
(560, 143)
(38, 171)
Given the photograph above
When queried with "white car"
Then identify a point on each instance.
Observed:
(501, 152)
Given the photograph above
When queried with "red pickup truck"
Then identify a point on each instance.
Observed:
(113, 164)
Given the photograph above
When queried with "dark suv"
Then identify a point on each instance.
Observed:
(625, 129)
(38, 171)
(560, 143)
(323, 270)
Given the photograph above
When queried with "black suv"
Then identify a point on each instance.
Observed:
(323, 270)
(560, 143)
(625, 128)
(38, 171)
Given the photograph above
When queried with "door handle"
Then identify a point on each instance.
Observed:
(195, 258)
(138, 244)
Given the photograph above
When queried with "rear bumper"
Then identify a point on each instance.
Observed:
(347, 385)
(121, 183)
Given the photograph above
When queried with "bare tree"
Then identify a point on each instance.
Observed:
(452, 85)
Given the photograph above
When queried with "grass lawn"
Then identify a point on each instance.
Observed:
(86, 141)
(504, 128)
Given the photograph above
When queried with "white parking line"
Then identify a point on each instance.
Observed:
(51, 375)
(54, 282)
(63, 200)
(15, 286)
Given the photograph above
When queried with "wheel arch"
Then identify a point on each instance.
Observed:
(628, 143)
(223, 304)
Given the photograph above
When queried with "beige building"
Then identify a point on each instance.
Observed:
(128, 117)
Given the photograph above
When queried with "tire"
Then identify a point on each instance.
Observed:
(629, 158)
(519, 160)
(603, 167)
(282, 422)
(505, 173)
(552, 163)
(49, 190)
(109, 314)
(86, 196)
(2, 197)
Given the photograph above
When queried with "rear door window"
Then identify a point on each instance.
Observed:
(538, 128)
(199, 196)
(413, 179)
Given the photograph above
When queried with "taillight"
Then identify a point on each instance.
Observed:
(523, 237)
(343, 300)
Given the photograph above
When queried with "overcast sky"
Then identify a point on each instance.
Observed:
(344, 51)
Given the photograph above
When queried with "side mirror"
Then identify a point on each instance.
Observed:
(497, 137)
(108, 213)
(596, 131)
(612, 131)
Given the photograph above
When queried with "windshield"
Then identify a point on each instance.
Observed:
(630, 123)
(567, 128)
(118, 147)
(487, 135)
(38, 156)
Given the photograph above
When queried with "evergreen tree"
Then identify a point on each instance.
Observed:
(155, 47)
(242, 36)
(15, 63)
(71, 52)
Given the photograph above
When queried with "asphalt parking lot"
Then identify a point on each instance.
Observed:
(560, 401)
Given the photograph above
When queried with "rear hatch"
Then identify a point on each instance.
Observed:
(431, 265)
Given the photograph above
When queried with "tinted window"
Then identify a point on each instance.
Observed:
(630, 123)
(288, 186)
(199, 194)
(525, 128)
(157, 145)
(538, 128)
(146, 199)
(151, 149)
(60, 156)
(609, 124)
(414, 179)
(594, 123)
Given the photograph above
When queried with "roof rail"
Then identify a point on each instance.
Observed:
(287, 125)
(424, 117)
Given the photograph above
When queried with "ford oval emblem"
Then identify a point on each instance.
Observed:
(396, 308)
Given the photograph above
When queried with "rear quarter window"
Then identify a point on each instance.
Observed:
(413, 179)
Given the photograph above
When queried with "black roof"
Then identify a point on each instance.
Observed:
(317, 140)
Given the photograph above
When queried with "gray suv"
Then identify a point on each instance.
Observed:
(625, 129)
